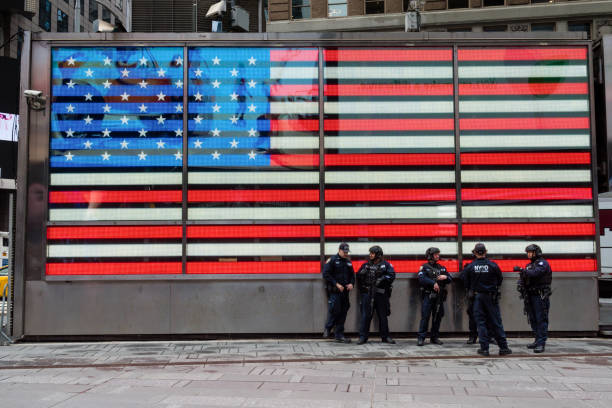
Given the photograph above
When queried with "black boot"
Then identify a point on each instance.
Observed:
(362, 341)
(388, 340)
(326, 333)
(504, 351)
(420, 342)
(539, 348)
(472, 340)
(532, 345)
(483, 352)
(436, 340)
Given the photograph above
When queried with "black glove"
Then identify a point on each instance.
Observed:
(518, 269)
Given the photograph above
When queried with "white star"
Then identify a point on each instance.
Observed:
(252, 83)
(106, 133)
(234, 96)
(234, 72)
(215, 132)
(216, 108)
(143, 60)
(124, 120)
(161, 120)
(252, 61)
(234, 144)
(88, 120)
(88, 96)
(89, 73)
(215, 83)
(252, 155)
(69, 133)
(198, 72)
(142, 156)
(143, 107)
(179, 84)
(198, 119)
(197, 144)
(216, 60)
(161, 144)
(198, 96)
(160, 96)
(106, 84)
(252, 132)
(71, 61)
(124, 144)
(178, 107)
(142, 133)
(252, 108)
(143, 84)
(87, 144)
(69, 156)
(178, 60)
(125, 96)
(106, 108)
(178, 156)
(105, 156)
(70, 84)
(234, 119)
(161, 72)
(215, 155)
(125, 73)
(178, 132)
(70, 108)
(107, 61)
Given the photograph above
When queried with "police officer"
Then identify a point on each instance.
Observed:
(433, 279)
(534, 286)
(473, 336)
(339, 277)
(375, 279)
(484, 278)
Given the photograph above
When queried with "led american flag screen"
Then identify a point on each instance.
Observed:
(259, 200)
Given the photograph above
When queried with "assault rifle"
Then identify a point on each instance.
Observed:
(521, 287)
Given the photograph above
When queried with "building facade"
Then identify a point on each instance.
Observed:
(591, 16)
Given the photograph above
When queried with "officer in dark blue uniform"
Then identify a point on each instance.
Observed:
(484, 278)
(339, 276)
(534, 286)
(375, 279)
(433, 279)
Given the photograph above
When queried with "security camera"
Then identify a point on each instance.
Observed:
(32, 93)
(35, 99)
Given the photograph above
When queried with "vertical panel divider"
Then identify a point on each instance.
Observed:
(321, 157)
(185, 178)
(594, 182)
(457, 157)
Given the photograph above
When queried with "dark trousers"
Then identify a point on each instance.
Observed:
(337, 308)
(486, 309)
(380, 304)
(429, 308)
(538, 317)
(472, 321)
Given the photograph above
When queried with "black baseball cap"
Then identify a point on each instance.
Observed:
(344, 246)
(479, 249)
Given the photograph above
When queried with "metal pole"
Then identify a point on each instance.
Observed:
(11, 254)
(77, 16)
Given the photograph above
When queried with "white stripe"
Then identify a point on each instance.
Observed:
(110, 179)
(255, 213)
(302, 108)
(527, 211)
(395, 248)
(354, 213)
(294, 72)
(113, 250)
(389, 72)
(514, 106)
(524, 176)
(522, 71)
(249, 177)
(114, 214)
(548, 247)
(397, 177)
(388, 107)
(605, 203)
(396, 142)
(294, 142)
(254, 249)
(529, 141)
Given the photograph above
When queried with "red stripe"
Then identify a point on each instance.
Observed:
(115, 268)
(580, 88)
(253, 231)
(252, 268)
(112, 232)
(294, 90)
(557, 265)
(390, 194)
(291, 160)
(392, 230)
(297, 125)
(518, 159)
(309, 54)
(440, 54)
(523, 123)
(388, 124)
(412, 266)
(389, 89)
(521, 54)
(484, 194)
(391, 159)
(214, 196)
(528, 230)
(159, 196)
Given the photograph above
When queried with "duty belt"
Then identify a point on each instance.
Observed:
(379, 290)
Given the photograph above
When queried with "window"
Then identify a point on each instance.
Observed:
(374, 6)
(106, 14)
(454, 4)
(337, 8)
(459, 29)
(580, 26)
(541, 1)
(62, 21)
(491, 3)
(543, 27)
(44, 15)
(93, 11)
(82, 6)
(300, 9)
(497, 28)
(119, 4)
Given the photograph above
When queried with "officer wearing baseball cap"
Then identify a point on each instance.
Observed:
(339, 276)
